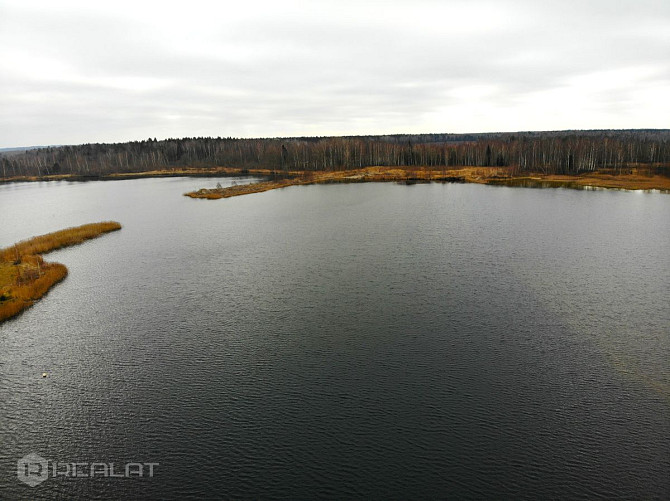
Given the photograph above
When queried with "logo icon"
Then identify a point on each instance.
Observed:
(32, 469)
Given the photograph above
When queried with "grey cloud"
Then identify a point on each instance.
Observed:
(308, 71)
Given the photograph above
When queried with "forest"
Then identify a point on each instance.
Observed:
(559, 152)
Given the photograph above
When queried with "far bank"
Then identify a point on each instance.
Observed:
(481, 175)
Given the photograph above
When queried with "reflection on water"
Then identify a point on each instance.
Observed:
(344, 341)
(543, 183)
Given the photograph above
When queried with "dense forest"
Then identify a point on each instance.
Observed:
(564, 152)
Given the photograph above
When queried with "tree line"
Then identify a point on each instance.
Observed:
(561, 152)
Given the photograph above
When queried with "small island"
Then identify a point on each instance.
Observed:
(25, 276)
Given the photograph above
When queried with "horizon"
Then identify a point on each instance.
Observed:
(526, 131)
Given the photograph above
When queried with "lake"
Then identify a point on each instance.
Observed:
(343, 341)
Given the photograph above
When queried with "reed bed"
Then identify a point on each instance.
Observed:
(296, 178)
(480, 175)
(25, 276)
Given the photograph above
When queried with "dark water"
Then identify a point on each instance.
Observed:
(345, 341)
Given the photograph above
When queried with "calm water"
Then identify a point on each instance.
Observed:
(344, 341)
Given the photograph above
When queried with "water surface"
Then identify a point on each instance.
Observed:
(344, 341)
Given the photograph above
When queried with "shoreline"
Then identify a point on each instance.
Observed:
(496, 176)
(24, 275)
(480, 175)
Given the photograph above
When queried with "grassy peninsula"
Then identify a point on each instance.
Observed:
(482, 175)
(25, 276)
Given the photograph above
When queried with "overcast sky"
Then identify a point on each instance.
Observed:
(74, 72)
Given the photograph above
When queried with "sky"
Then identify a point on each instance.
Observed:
(75, 72)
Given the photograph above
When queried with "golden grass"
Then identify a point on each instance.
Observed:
(632, 181)
(25, 276)
(636, 179)
(243, 189)
(481, 175)
(368, 174)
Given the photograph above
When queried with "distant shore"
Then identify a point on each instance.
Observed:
(25, 276)
(634, 180)
(480, 175)
(180, 172)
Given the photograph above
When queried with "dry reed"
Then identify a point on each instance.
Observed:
(25, 276)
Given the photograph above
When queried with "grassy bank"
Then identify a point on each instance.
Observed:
(481, 175)
(294, 178)
(25, 276)
(634, 179)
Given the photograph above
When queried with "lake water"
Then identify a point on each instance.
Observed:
(344, 341)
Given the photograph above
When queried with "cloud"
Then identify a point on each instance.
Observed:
(78, 71)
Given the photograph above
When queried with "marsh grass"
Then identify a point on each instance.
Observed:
(364, 175)
(633, 180)
(25, 276)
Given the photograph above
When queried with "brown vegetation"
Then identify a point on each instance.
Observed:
(634, 180)
(25, 276)
(481, 175)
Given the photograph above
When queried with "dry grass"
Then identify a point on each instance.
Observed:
(243, 189)
(369, 174)
(632, 181)
(636, 178)
(25, 276)
(481, 175)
